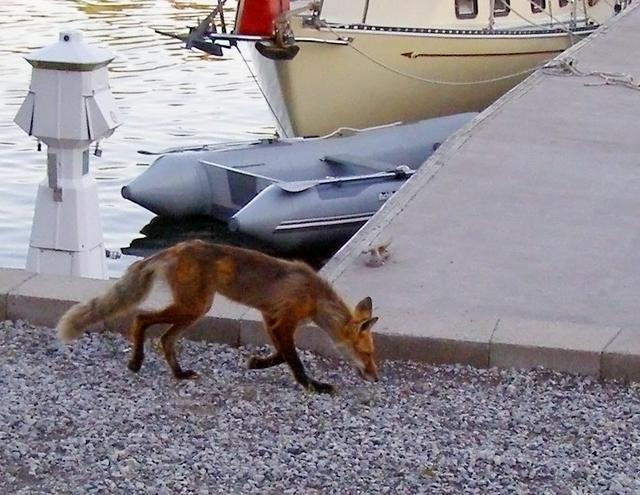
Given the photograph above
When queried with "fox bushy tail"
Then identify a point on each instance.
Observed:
(122, 297)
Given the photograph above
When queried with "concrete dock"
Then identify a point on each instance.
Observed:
(517, 244)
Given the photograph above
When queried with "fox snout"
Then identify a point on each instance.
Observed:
(368, 372)
(366, 368)
(372, 377)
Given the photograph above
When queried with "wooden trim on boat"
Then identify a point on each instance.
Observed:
(442, 55)
(497, 33)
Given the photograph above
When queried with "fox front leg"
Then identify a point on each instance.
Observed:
(291, 356)
(281, 329)
(257, 362)
(260, 363)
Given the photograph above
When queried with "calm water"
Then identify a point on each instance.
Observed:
(168, 96)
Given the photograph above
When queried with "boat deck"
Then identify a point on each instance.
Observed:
(518, 242)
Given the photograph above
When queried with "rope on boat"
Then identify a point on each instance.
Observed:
(432, 81)
(264, 96)
(563, 25)
(568, 66)
(342, 131)
(284, 17)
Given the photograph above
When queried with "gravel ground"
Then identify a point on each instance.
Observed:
(75, 420)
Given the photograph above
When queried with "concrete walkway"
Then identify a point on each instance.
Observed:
(516, 244)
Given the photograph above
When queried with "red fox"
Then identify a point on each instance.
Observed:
(285, 292)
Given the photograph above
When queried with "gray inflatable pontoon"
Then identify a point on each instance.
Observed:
(292, 193)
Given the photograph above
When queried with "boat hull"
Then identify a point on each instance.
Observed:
(295, 193)
(326, 214)
(388, 76)
(220, 182)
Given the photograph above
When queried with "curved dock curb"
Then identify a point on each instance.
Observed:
(476, 340)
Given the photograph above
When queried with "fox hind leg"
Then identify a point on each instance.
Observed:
(172, 314)
(192, 294)
(138, 330)
(168, 341)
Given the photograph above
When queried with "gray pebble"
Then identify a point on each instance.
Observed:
(75, 420)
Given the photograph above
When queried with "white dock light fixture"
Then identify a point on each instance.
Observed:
(69, 106)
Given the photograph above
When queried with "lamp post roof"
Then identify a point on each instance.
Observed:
(70, 53)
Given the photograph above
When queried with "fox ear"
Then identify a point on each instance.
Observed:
(367, 325)
(364, 308)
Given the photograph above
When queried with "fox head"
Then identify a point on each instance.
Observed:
(356, 339)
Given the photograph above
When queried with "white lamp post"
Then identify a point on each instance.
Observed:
(69, 106)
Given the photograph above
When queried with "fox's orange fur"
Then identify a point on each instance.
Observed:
(285, 292)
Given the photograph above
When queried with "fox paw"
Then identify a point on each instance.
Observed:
(259, 362)
(254, 363)
(321, 388)
(134, 365)
(186, 375)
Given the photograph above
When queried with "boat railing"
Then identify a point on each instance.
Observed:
(569, 28)
(569, 15)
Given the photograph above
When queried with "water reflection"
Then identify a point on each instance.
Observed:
(178, 5)
(101, 7)
(109, 7)
(161, 232)
(168, 97)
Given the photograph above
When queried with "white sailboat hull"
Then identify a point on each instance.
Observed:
(407, 77)
(362, 63)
